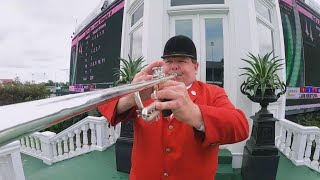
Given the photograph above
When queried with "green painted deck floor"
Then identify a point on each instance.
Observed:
(101, 165)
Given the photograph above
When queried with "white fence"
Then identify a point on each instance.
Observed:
(89, 134)
(10, 162)
(299, 143)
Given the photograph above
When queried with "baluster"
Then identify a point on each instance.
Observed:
(37, 144)
(23, 143)
(283, 139)
(65, 145)
(60, 152)
(93, 136)
(54, 149)
(32, 143)
(112, 135)
(71, 135)
(315, 162)
(27, 142)
(84, 129)
(278, 142)
(118, 130)
(308, 150)
(288, 143)
(292, 154)
(78, 142)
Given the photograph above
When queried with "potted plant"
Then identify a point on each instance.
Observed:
(128, 69)
(260, 152)
(262, 79)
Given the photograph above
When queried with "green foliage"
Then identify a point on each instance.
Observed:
(262, 73)
(128, 69)
(18, 92)
(309, 119)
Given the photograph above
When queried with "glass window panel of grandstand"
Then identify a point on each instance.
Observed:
(136, 43)
(184, 27)
(262, 10)
(137, 15)
(214, 47)
(193, 2)
(265, 35)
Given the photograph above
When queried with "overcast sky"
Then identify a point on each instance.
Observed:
(35, 37)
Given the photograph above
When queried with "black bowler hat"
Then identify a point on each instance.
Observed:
(179, 46)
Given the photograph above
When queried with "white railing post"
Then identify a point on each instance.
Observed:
(78, 142)
(47, 147)
(71, 142)
(299, 148)
(84, 129)
(93, 136)
(65, 146)
(288, 143)
(282, 139)
(10, 162)
(101, 133)
(308, 150)
(315, 161)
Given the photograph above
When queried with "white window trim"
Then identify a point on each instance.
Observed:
(133, 7)
(226, 3)
(131, 29)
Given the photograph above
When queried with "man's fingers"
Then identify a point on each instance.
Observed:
(143, 77)
(169, 83)
(166, 105)
(148, 68)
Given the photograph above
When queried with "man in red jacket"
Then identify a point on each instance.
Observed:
(185, 145)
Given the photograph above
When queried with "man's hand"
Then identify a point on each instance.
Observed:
(178, 102)
(145, 74)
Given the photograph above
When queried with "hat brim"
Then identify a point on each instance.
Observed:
(177, 55)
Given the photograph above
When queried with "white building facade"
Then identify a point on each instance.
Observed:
(224, 31)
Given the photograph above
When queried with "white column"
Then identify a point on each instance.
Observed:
(101, 135)
(93, 136)
(283, 138)
(27, 142)
(288, 143)
(315, 162)
(71, 135)
(60, 152)
(294, 144)
(299, 148)
(32, 143)
(48, 149)
(65, 146)
(23, 143)
(78, 142)
(84, 129)
(54, 150)
(11, 164)
(308, 150)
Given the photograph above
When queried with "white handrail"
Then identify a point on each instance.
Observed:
(296, 143)
(51, 147)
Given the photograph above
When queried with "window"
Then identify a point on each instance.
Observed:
(265, 39)
(214, 51)
(184, 27)
(135, 32)
(192, 2)
(136, 43)
(265, 27)
(137, 15)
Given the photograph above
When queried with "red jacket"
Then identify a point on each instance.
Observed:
(170, 149)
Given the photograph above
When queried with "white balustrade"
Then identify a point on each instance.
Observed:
(297, 142)
(51, 147)
(10, 162)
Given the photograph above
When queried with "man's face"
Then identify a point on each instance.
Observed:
(183, 66)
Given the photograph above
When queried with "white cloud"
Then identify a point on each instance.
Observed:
(35, 37)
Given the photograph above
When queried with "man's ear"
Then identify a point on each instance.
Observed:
(196, 67)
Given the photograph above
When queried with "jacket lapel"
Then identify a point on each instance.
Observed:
(194, 91)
